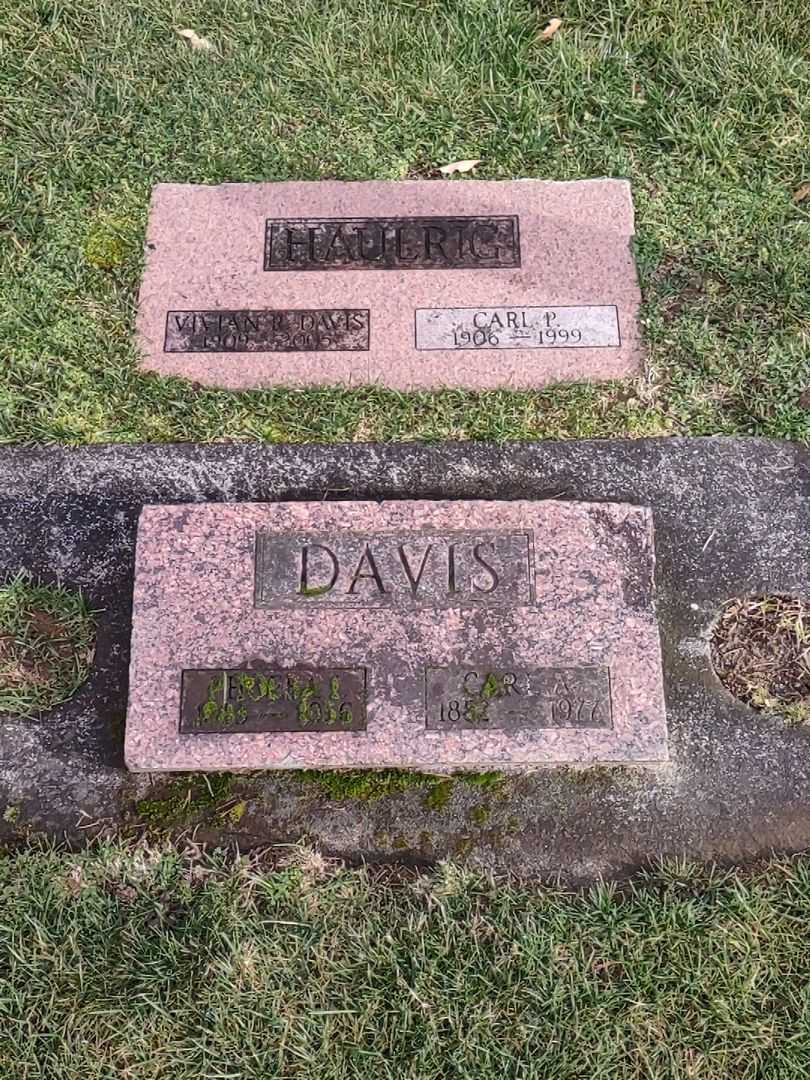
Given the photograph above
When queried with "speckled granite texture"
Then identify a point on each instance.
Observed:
(205, 251)
(587, 575)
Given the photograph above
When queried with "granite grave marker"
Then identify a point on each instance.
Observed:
(436, 635)
(410, 284)
(731, 520)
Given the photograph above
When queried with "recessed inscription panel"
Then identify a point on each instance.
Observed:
(284, 330)
(392, 243)
(262, 698)
(516, 327)
(480, 698)
(394, 570)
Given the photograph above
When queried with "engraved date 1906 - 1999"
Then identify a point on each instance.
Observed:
(477, 698)
(487, 328)
(518, 327)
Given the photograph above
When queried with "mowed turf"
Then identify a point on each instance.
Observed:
(703, 104)
(139, 964)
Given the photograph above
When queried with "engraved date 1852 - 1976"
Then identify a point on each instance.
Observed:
(553, 697)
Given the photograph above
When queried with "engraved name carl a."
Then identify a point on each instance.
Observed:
(393, 570)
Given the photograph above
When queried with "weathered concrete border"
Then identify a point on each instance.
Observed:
(731, 516)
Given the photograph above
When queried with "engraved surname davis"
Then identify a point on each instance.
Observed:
(394, 570)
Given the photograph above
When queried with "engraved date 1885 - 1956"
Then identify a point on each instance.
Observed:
(261, 698)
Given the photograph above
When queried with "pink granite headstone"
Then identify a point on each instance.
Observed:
(437, 635)
(409, 284)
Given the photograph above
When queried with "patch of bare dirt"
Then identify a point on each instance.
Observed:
(36, 658)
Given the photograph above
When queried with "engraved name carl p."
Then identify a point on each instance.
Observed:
(393, 570)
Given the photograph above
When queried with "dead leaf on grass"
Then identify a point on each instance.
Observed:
(801, 193)
(74, 880)
(550, 29)
(195, 41)
(460, 166)
(804, 398)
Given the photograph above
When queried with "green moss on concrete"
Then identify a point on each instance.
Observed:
(480, 814)
(184, 798)
(797, 714)
(439, 795)
(491, 779)
(363, 784)
(367, 784)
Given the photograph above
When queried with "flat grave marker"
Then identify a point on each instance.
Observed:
(407, 284)
(433, 635)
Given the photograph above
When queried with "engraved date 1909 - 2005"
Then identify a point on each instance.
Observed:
(554, 697)
(282, 330)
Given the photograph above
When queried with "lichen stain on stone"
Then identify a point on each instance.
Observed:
(235, 813)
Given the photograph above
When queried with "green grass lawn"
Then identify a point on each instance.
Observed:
(703, 104)
(136, 964)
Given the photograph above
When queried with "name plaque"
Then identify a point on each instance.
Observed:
(395, 243)
(576, 327)
(465, 698)
(396, 570)
(262, 698)
(287, 330)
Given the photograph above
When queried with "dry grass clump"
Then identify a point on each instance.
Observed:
(761, 652)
